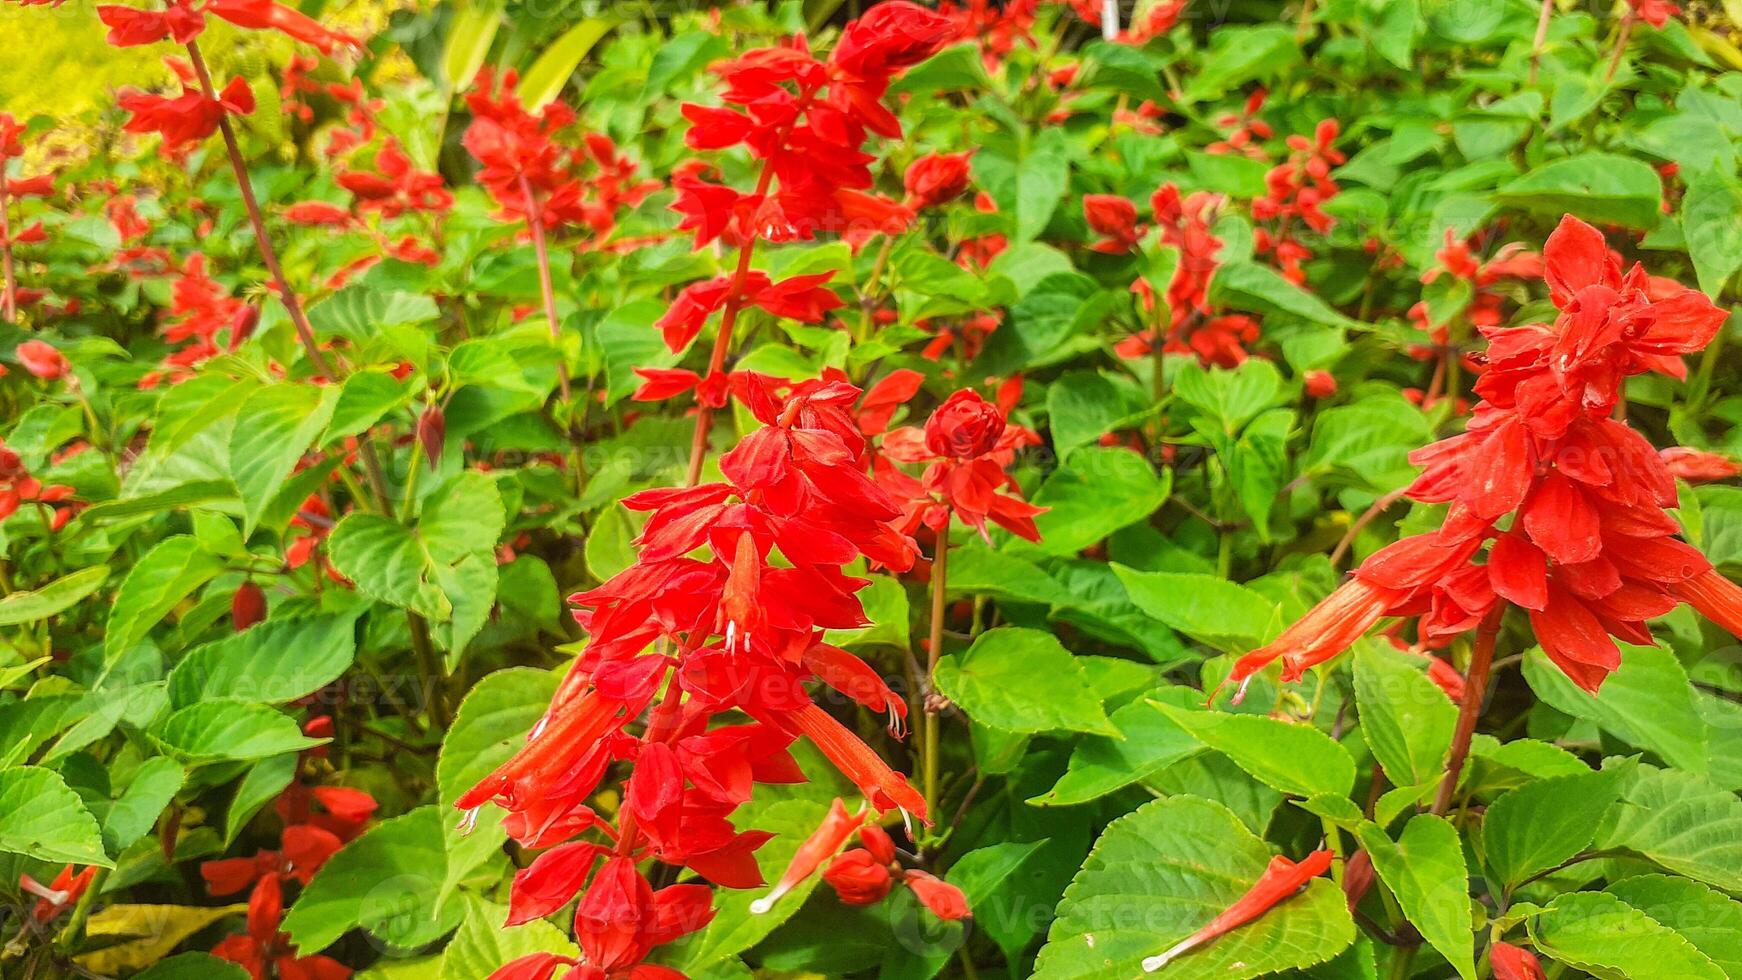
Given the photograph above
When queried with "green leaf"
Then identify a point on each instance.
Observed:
(1405, 717)
(1240, 54)
(1096, 492)
(274, 428)
(1029, 188)
(1294, 759)
(1223, 614)
(1425, 869)
(465, 517)
(174, 498)
(193, 966)
(1600, 934)
(261, 786)
(610, 546)
(490, 726)
(1648, 703)
(253, 666)
(1537, 826)
(380, 882)
(1681, 822)
(470, 34)
(360, 312)
(229, 731)
(57, 596)
(1162, 872)
(482, 944)
(1100, 765)
(131, 816)
(550, 72)
(1260, 289)
(1712, 226)
(363, 399)
(41, 818)
(1709, 919)
(1598, 187)
(167, 574)
(386, 562)
(1080, 407)
(1232, 398)
(1022, 680)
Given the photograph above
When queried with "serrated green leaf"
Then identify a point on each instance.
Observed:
(1425, 869)
(1223, 614)
(57, 596)
(1405, 717)
(274, 428)
(1022, 680)
(42, 818)
(1539, 825)
(1604, 936)
(229, 731)
(380, 882)
(253, 665)
(167, 574)
(1648, 703)
(1291, 758)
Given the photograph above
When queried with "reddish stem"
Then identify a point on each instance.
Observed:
(535, 220)
(1620, 44)
(1475, 690)
(9, 302)
(1541, 37)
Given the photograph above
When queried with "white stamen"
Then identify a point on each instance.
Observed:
(766, 902)
(539, 728)
(468, 821)
(33, 887)
(1240, 692)
(731, 635)
(1154, 963)
(906, 821)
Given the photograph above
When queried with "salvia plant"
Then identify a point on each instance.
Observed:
(1197, 488)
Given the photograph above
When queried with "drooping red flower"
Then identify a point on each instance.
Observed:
(184, 20)
(1280, 881)
(1513, 963)
(42, 360)
(1698, 466)
(62, 893)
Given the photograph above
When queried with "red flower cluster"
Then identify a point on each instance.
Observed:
(968, 444)
(1184, 225)
(18, 487)
(1589, 552)
(200, 310)
(188, 118)
(806, 120)
(318, 821)
(996, 27)
(1458, 261)
(1297, 189)
(531, 176)
(706, 614)
(1246, 132)
(184, 20)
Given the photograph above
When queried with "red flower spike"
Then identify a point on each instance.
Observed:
(1280, 881)
(1512, 963)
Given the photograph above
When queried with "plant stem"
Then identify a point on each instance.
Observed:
(535, 221)
(9, 300)
(269, 256)
(939, 576)
(75, 928)
(1475, 690)
(1401, 960)
(1620, 45)
(1541, 37)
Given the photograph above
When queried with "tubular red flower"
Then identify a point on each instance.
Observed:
(1280, 881)
(1512, 963)
(885, 788)
(837, 826)
(940, 898)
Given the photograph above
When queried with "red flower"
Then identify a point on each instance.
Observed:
(941, 898)
(62, 893)
(858, 878)
(1653, 12)
(1113, 218)
(936, 179)
(1280, 881)
(1697, 466)
(317, 213)
(187, 118)
(964, 426)
(265, 15)
(182, 22)
(1513, 963)
(42, 360)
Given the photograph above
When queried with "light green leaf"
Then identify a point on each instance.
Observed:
(274, 428)
(1648, 703)
(387, 562)
(1295, 759)
(1151, 743)
(482, 944)
(1405, 717)
(1600, 934)
(254, 666)
(1705, 917)
(1425, 869)
(167, 574)
(261, 786)
(131, 816)
(544, 81)
(1539, 825)
(1162, 872)
(1260, 289)
(380, 882)
(1681, 822)
(1223, 614)
(1598, 187)
(42, 818)
(55, 597)
(470, 34)
(229, 731)
(1022, 680)
(1712, 226)
(1097, 491)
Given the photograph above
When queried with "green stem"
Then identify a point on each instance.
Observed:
(74, 932)
(939, 574)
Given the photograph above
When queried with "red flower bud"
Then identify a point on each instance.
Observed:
(858, 877)
(877, 841)
(1513, 963)
(964, 426)
(42, 360)
(1319, 384)
(936, 178)
(247, 606)
(432, 429)
(945, 900)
